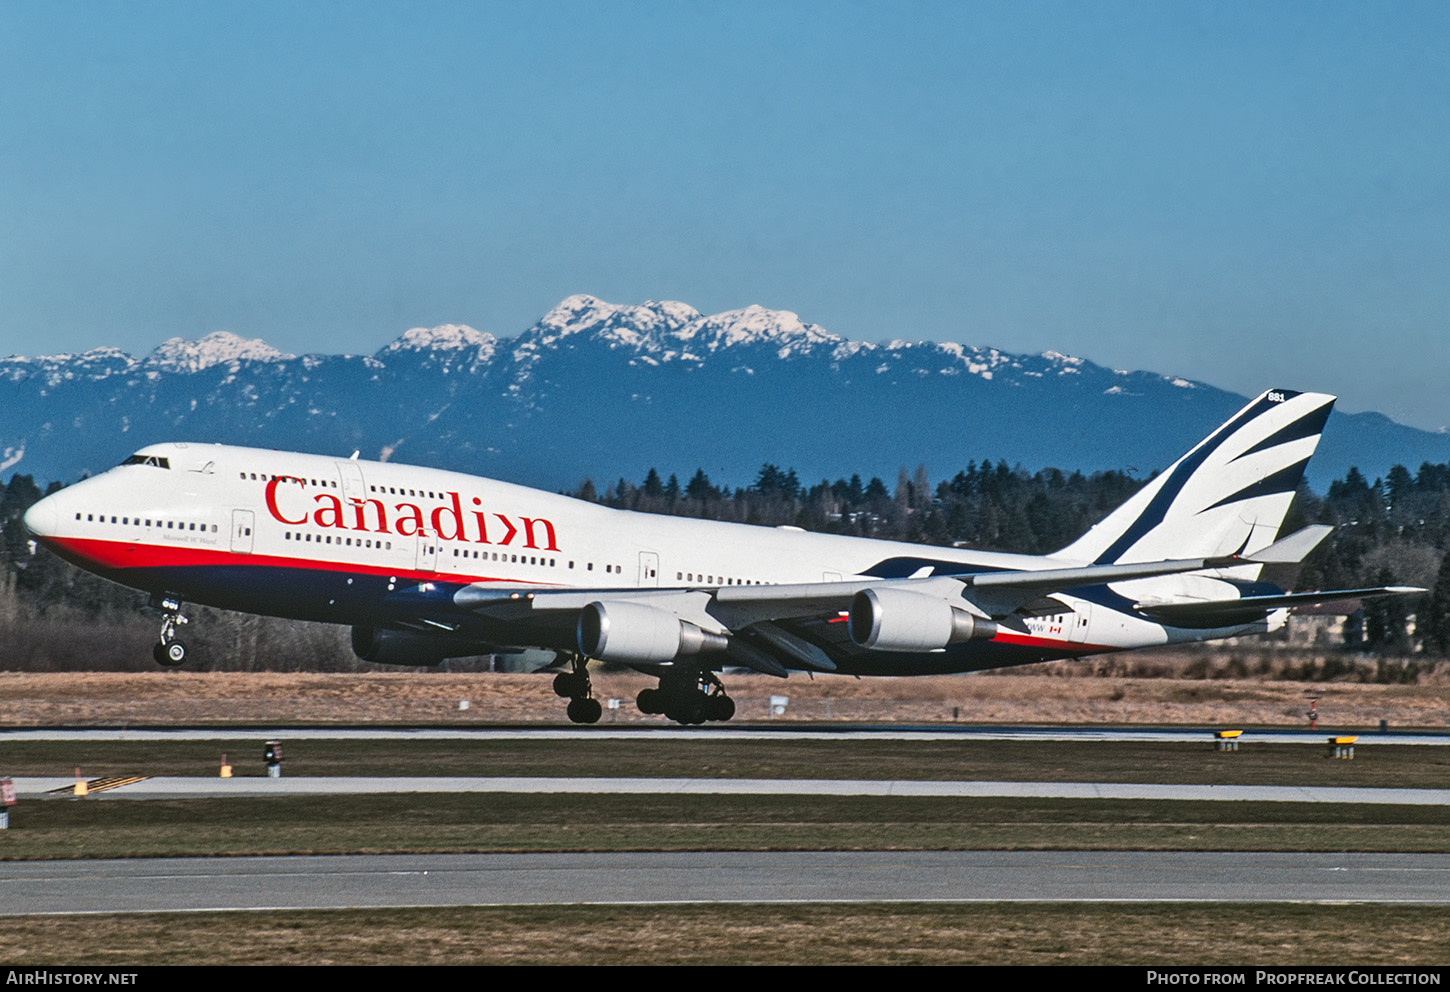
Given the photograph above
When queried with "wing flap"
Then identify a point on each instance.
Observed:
(1230, 612)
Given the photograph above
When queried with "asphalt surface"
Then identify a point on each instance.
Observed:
(177, 787)
(213, 884)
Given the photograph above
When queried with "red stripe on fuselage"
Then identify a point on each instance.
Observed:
(1065, 647)
(122, 556)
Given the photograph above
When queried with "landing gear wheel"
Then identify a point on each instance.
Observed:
(720, 707)
(689, 710)
(648, 701)
(585, 710)
(570, 685)
(172, 655)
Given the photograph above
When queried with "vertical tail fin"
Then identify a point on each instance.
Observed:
(1228, 495)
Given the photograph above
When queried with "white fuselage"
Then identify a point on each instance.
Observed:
(320, 538)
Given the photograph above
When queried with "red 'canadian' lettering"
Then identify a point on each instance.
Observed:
(415, 517)
(329, 514)
(529, 533)
(359, 510)
(456, 512)
(482, 523)
(271, 496)
(448, 521)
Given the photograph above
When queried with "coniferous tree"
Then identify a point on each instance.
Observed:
(1434, 622)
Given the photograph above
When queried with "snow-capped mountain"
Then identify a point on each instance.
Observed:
(597, 389)
(217, 348)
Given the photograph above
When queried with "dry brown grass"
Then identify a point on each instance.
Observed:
(974, 934)
(1041, 695)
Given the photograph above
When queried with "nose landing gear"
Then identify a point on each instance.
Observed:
(170, 651)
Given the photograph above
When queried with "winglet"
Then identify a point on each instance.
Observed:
(1292, 549)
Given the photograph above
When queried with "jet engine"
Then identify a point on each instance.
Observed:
(887, 619)
(633, 632)
(399, 647)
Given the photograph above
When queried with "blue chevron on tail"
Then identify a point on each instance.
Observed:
(1228, 495)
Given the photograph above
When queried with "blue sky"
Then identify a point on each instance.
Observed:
(1248, 194)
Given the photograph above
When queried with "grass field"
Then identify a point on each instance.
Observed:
(809, 934)
(1070, 696)
(579, 822)
(1400, 766)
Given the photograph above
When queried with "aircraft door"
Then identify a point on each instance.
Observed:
(649, 568)
(352, 481)
(1081, 621)
(242, 524)
(427, 553)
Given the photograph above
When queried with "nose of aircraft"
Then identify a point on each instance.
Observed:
(41, 518)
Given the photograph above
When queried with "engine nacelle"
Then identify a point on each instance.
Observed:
(886, 619)
(399, 647)
(632, 632)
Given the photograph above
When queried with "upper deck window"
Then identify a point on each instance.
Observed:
(154, 460)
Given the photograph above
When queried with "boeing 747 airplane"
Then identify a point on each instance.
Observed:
(426, 564)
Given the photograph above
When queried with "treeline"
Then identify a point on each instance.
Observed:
(983, 506)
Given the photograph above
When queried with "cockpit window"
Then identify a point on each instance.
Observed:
(148, 460)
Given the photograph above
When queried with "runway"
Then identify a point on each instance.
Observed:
(767, 732)
(180, 787)
(394, 881)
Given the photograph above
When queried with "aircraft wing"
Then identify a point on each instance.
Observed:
(772, 627)
(1229, 612)
(768, 602)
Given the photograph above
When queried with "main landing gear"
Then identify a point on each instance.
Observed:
(688, 698)
(169, 650)
(574, 686)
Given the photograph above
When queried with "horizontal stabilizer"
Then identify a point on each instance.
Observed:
(1230, 612)
(1295, 548)
(1052, 579)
